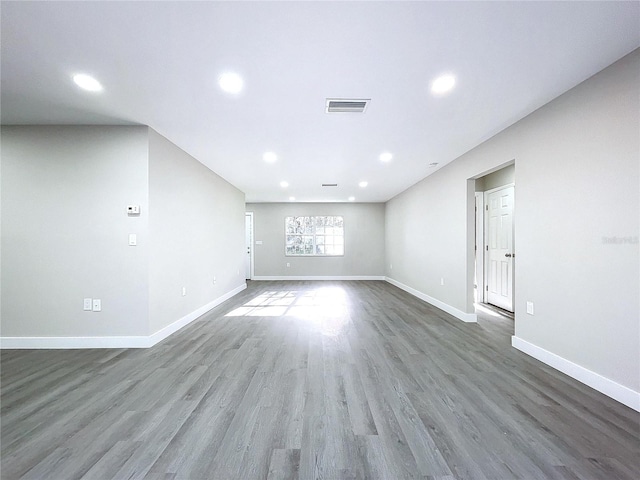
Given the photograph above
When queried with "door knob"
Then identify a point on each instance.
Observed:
(508, 255)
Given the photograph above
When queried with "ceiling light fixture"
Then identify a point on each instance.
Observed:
(292, 199)
(284, 184)
(386, 157)
(231, 82)
(351, 199)
(363, 184)
(270, 157)
(87, 82)
(443, 84)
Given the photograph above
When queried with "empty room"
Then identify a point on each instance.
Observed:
(320, 240)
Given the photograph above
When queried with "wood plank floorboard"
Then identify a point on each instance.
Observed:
(311, 380)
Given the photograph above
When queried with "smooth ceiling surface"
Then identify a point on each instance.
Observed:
(159, 63)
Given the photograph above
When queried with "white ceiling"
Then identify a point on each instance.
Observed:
(159, 63)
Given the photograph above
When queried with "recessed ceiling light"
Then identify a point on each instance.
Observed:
(363, 184)
(270, 157)
(292, 199)
(231, 82)
(443, 84)
(87, 82)
(284, 184)
(386, 157)
(351, 199)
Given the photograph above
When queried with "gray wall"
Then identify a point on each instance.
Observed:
(577, 163)
(65, 230)
(503, 176)
(196, 226)
(364, 240)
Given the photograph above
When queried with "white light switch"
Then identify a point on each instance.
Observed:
(97, 305)
(258, 242)
(88, 304)
(530, 308)
(133, 239)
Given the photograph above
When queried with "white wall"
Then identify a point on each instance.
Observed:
(364, 240)
(577, 163)
(196, 226)
(65, 231)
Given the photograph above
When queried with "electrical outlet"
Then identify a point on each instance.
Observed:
(442, 281)
(184, 291)
(214, 280)
(97, 305)
(391, 266)
(530, 308)
(288, 264)
(88, 304)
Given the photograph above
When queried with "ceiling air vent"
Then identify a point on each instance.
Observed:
(329, 184)
(343, 105)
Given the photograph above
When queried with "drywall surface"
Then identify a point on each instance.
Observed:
(576, 224)
(363, 237)
(496, 179)
(196, 224)
(65, 230)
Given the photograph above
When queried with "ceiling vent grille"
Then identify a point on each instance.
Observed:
(329, 184)
(343, 105)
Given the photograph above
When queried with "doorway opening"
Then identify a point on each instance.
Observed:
(494, 262)
(248, 231)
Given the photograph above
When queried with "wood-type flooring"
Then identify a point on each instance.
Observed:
(311, 380)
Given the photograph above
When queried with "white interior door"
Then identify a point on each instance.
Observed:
(248, 224)
(500, 250)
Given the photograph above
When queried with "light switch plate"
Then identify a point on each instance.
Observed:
(530, 308)
(133, 239)
(97, 305)
(88, 304)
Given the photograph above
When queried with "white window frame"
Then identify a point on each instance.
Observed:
(314, 234)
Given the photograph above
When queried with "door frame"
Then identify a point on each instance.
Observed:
(479, 248)
(486, 242)
(251, 243)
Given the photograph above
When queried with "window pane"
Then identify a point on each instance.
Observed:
(328, 249)
(308, 225)
(328, 239)
(338, 250)
(319, 239)
(338, 240)
(319, 249)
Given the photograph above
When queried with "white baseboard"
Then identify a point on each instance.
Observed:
(114, 342)
(459, 314)
(35, 343)
(618, 392)
(187, 319)
(320, 277)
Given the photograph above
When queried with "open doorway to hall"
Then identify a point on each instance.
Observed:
(494, 272)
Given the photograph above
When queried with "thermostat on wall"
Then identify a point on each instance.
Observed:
(133, 209)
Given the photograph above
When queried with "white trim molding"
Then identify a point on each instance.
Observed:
(35, 343)
(608, 387)
(114, 342)
(459, 314)
(320, 277)
(187, 319)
